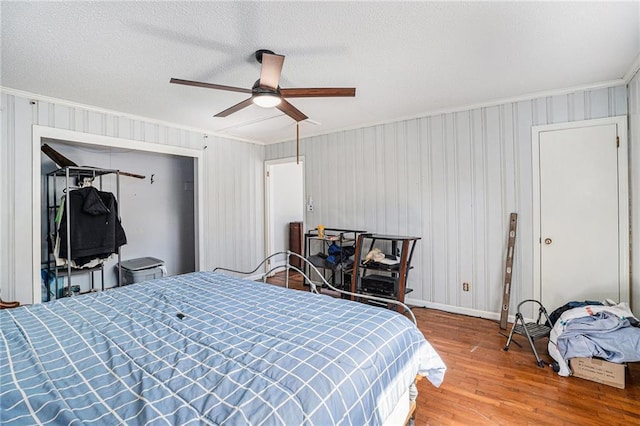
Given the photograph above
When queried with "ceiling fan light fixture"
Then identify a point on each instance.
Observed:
(266, 91)
(266, 100)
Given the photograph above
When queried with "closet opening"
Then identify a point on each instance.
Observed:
(158, 209)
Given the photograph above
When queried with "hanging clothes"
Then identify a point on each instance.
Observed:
(96, 231)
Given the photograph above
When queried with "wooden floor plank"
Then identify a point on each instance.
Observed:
(486, 385)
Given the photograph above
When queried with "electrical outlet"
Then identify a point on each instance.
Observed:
(466, 286)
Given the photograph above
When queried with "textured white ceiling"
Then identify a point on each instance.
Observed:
(404, 58)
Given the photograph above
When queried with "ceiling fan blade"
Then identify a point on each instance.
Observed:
(318, 92)
(235, 108)
(209, 85)
(271, 70)
(291, 111)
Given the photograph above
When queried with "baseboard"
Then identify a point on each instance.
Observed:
(456, 309)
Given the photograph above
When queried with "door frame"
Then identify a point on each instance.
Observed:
(267, 200)
(41, 133)
(623, 198)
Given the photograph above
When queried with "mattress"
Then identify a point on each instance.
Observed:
(206, 348)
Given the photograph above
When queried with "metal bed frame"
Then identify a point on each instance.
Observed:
(313, 287)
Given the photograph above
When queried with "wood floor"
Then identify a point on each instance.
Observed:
(486, 386)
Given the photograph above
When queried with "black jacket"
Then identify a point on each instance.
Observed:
(96, 231)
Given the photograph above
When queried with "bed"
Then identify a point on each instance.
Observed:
(208, 348)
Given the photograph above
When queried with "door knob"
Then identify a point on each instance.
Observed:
(548, 241)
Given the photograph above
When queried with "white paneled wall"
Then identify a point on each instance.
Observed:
(452, 179)
(234, 213)
(634, 188)
(233, 192)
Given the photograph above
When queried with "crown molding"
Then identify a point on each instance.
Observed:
(71, 104)
(635, 67)
(469, 107)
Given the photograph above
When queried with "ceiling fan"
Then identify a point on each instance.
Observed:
(267, 93)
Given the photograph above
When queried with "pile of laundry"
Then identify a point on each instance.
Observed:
(608, 331)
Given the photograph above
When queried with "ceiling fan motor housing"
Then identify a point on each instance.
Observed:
(259, 53)
(258, 89)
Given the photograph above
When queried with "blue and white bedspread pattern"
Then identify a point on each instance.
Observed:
(240, 353)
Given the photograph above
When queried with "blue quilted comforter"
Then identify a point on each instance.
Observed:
(205, 348)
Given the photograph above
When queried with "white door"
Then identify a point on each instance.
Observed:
(285, 203)
(581, 252)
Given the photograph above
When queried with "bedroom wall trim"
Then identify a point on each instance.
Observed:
(633, 70)
(42, 132)
(92, 108)
(459, 310)
(468, 107)
(490, 103)
(634, 187)
(628, 76)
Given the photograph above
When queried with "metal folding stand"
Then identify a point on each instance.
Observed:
(532, 330)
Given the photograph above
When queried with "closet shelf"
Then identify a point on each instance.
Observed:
(83, 171)
(63, 270)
